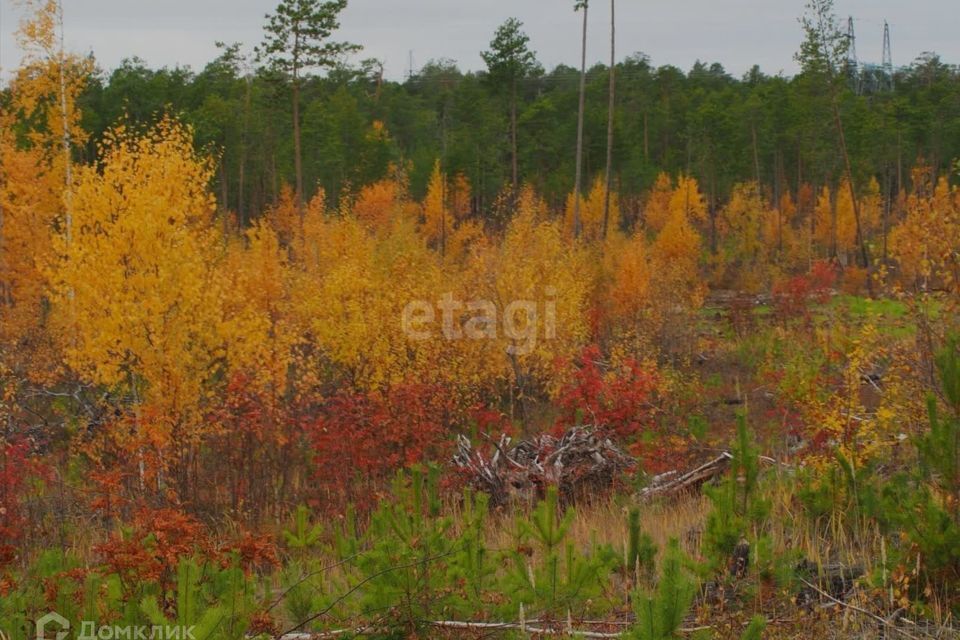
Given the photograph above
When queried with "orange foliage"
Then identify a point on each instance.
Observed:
(41, 110)
(284, 216)
(657, 210)
(153, 548)
(824, 222)
(925, 242)
(384, 202)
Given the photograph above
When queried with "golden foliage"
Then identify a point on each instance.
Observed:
(352, 301)
(436, 216)
(38, 122)
(825, 222)
(135, 290)
(283, 216)
(676, 255)
(591, 212)
(657, 210)
(924, 244)
(743, 227)
(688, 199)
(630, 292)
(257, 326)
(845, 221)
(30, 203)
(871, 209)
(546, 281)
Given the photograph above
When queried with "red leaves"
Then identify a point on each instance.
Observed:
(793, 295)
(159, 539)
(253, 551)
(621, 401)
(363, 438)
(257, 438)
(16, 467)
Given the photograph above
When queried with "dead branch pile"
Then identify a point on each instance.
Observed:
(583, 462)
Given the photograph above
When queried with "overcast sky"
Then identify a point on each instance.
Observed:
(736, 33)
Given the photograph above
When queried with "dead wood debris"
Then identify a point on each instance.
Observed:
(673, 483)
(583, 462)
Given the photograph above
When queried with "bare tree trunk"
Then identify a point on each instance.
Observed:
(241, 186)
(864, 256)
(580, 114)
(838, 123)
(224, 192)
(610, 113)
(64, 119)
(514, 164)
(887, 203)
(443, 181)
(899, 162)
(756, 154)
(646, 137)
(297, 160)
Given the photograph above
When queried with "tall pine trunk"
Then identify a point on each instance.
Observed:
(242, 178)
(297, 160)
(583, 91)
(515, 171)
(610, 113)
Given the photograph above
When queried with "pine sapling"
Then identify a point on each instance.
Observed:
(660, 613)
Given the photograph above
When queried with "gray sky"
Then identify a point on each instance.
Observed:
(736, 33)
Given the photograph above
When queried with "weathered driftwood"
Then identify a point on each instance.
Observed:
(584, 461)
(673, 483)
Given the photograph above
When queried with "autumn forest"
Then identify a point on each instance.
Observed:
(289, 349)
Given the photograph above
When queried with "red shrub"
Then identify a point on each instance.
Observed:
(16, 468)
(152, 549)
(253, 552)
(822, 277)
(621, 401)
(362, 439)
(255, 446)
(792, 296)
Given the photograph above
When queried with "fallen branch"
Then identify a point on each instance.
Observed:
(673, 483)
(886, 623)
(453, 624)
(487, 626)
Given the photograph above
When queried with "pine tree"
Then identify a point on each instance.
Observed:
(509, 60)
(660, 613)
(298, 39)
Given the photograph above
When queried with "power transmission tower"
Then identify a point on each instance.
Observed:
(853, 65)
(887, 57)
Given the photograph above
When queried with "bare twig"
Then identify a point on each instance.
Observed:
(886, 623)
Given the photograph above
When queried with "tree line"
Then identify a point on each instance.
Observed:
(515, 123)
